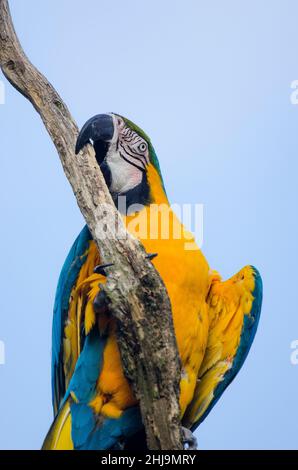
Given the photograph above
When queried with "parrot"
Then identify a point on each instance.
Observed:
(215, 320)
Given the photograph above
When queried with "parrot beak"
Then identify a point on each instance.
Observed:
(98, 130)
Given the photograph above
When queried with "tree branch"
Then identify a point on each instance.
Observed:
(138, 298)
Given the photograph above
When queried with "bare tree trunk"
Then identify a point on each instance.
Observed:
(137, 295)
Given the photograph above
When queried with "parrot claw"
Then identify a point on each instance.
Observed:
(100, 269)
(189, 440)
(151, 256)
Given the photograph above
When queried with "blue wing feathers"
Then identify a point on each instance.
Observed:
(250, 325)
(112, 431)
(67, 278)
(87, 432)
(88, 368)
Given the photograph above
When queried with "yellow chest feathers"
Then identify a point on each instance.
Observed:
(185, 273)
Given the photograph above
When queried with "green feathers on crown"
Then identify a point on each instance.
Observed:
(153, 156)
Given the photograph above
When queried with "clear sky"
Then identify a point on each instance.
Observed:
(210, 83)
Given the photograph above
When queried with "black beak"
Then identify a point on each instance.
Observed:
(98, 130)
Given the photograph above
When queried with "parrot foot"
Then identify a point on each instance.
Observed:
(100, 268)
(151, 256)
(189, 440)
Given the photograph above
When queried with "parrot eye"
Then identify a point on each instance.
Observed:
(143, 147)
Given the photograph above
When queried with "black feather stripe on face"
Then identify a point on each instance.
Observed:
(130, 162)
(130, 143)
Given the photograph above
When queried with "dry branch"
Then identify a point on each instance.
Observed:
(138, 296)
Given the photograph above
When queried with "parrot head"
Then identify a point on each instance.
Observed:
(126, 158)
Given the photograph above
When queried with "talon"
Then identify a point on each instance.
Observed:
(151, 256)
(189, 440)
(100, 269)
(100, 303)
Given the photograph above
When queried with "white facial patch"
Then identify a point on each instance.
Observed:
(127, 157)
(124, 175)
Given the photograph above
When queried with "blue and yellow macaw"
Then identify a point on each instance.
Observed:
(215, 321)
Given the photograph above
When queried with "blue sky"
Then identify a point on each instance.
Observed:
(210, 83)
